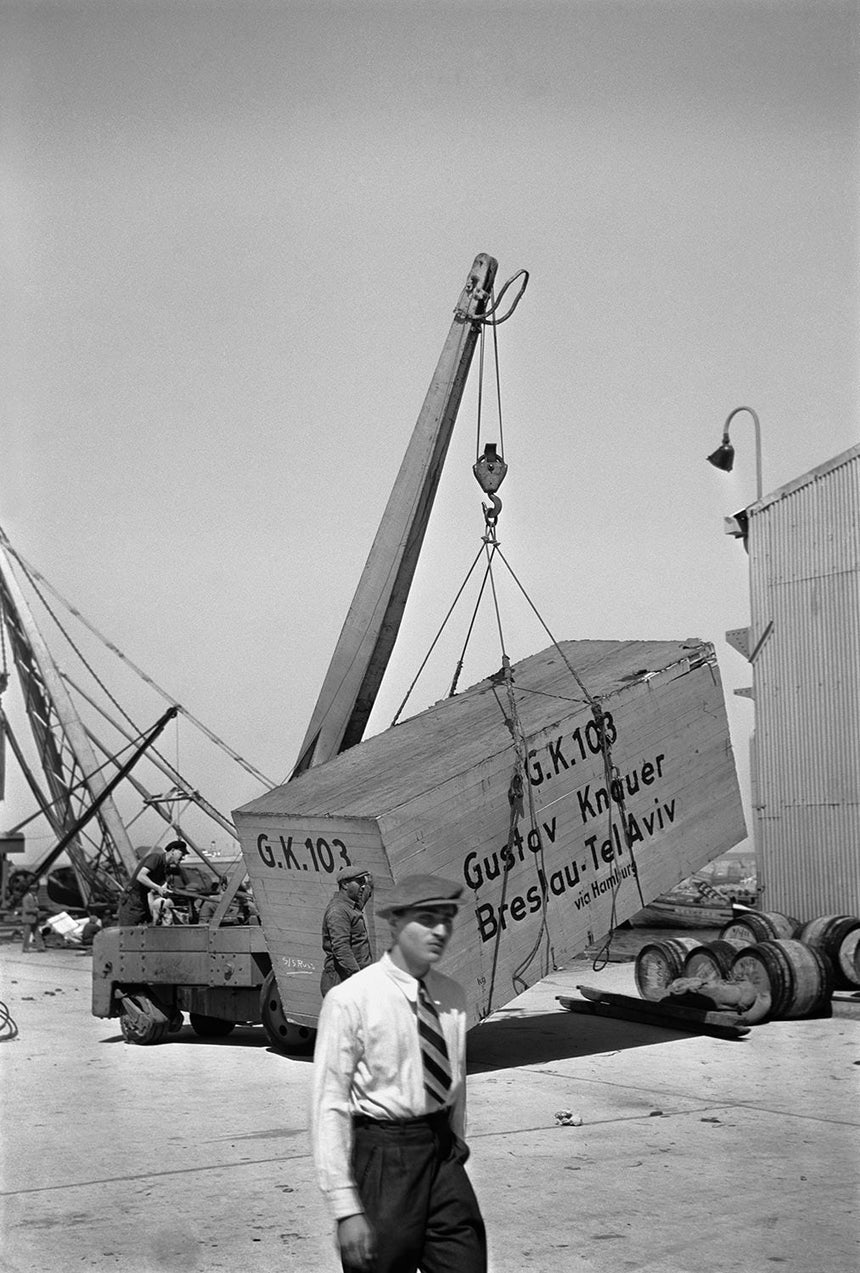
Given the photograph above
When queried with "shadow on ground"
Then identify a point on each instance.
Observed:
(241, 1037)
(552, 1036)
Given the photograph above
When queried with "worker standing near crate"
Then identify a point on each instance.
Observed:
(389, 1100)
(344, 933)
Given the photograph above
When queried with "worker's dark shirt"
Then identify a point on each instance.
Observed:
(156, 864)
(344, 935)
(134, 903)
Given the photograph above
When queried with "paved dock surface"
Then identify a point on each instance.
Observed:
(695, 1154)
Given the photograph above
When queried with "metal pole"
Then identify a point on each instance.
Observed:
(757, 443)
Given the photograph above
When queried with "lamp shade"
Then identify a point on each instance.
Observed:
(724, 456)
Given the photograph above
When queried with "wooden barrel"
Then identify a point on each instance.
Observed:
(754, 926)
(713, 960)
(827, 934)
(797, 977)
(660, 962)
(787, 927)
(849, 958)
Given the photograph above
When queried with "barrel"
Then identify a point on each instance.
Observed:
(712, 961)
(755, 926)
(828, 934)
(660, 962)
(797, 977)
(849, 958)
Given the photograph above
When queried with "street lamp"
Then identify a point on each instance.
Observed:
(724, 456)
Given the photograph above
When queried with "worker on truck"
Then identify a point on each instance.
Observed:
(149, 882)
(344, 932)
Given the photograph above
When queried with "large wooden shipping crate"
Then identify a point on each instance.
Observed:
(434, 794)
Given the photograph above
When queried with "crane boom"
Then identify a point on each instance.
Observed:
(368, 635)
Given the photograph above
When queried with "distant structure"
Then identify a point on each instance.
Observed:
(803, 643)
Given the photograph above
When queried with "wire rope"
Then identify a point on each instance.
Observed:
(34, 575)
(435, 640)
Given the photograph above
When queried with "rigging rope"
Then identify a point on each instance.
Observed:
(33, 575)
(481, 355)
(4, 671)
(459, 668)
(488, 315)
(612, 777)
(490, 470)
(433, 643)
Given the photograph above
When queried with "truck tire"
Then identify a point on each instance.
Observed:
(138, 1022)
(210, 1027)
(284, 1036)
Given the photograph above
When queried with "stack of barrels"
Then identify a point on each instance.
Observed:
(794, 967)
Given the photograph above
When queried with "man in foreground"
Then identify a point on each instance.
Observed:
(389, 1100)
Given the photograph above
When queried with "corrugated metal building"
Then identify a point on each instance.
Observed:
(804, 646)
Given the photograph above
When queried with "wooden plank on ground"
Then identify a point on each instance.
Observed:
(670, 1016)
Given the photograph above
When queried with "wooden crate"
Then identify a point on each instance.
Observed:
(432, 795)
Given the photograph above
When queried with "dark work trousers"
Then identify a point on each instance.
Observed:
(133, 909)
(417, 1197)
(332, 975)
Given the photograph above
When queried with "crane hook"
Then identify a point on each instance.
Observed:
(490, 472)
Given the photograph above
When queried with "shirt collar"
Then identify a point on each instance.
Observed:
(407, 983)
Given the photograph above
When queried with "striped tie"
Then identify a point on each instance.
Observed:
(434, 1053)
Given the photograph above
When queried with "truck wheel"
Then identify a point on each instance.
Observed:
(284, 1035)
(210, 1027)
(138, 1027)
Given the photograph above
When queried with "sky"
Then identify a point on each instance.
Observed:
(233, 237)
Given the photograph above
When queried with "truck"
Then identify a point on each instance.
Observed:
(221, 973)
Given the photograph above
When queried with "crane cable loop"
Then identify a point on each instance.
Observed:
(488, 317)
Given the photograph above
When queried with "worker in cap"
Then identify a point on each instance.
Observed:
(389, 1085)
(345, 942)
(351, 873)
(149, 882)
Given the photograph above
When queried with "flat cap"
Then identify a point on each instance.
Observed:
(351, 873)
(421, 890)
(179, 845)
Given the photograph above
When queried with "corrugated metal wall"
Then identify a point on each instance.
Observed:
(804, 546)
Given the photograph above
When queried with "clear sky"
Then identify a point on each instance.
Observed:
(234, 234)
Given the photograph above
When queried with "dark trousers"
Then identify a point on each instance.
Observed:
(133, 909)
(417, 1197)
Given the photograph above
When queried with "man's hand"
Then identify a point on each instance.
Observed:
(356, 1241)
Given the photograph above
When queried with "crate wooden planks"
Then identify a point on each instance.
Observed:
(431, 795)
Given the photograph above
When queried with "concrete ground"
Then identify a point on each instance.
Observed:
(695, 1155)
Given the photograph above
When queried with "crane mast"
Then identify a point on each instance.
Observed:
(368, 635)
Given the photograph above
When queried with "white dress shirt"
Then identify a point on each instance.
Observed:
(367, 1060)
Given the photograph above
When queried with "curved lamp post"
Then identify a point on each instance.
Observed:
(724, 456)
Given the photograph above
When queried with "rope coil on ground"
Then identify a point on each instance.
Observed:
(8, 1026)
